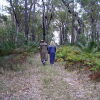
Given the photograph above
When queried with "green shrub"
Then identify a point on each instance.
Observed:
(89, 46)
(74, 54)
(8, 43)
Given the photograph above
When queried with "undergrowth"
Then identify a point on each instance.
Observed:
(15, 60)
(74, 55)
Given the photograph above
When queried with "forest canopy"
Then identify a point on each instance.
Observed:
(33, 20)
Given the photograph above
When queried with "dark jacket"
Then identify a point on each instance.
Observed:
(51, 49)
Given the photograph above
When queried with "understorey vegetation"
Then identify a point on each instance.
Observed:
(78, 57)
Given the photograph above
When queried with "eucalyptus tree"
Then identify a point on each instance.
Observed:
(33, 20)
(30, 8)
(62, 21)
(21, 12)
(92, 9)
(15, 15)
(26, 20)
(75, 16)
(48, 10)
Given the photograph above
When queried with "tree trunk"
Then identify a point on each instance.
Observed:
(43, 21)
(93, 20)
(66, 34)
(63, 33)
(93, 29)
(75, 14)
(72, 32)
(48, 10)
(26, 22)
(33, 29)
(17, 31)
(98, 37)
(61, 40)
(16, 18)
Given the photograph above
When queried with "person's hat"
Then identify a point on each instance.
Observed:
(42, 41)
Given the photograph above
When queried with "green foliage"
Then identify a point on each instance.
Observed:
(61, 16)
(90, 47)
(6, 40)
(75, 54)
(8, 43)
(32, 47)
(82, 39)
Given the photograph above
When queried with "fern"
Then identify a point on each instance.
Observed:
(83, 54)
(89, 47)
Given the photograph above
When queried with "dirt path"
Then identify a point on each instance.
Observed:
(39, 82)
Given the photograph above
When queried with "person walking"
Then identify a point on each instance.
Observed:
(52, 52)
(43, 52)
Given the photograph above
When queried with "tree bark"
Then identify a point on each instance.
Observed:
(66, 34)
(43, 21)
(48, 10)
(93, 28)
(26, 22)
(63, 33)
(75, 15)
(16, 18)
(72, 32)
(61, 40)
(33, 29)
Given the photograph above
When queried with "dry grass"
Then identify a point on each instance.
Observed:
(38, 82)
